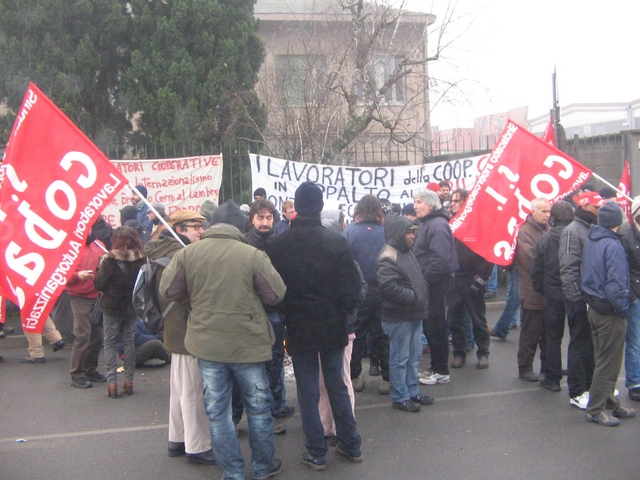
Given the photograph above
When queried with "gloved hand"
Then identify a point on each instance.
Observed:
(478, 284)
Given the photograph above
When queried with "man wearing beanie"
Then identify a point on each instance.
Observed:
(605, 281)
(631, 242)
(141, 207)
(323, 285)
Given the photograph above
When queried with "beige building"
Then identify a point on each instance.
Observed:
(336, 92)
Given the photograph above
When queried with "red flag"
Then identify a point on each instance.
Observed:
(625, 187)
(549, 134)
(54, 184)
(520, 168)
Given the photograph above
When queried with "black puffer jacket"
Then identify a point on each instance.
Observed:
(117, 284)
(434, 246)
(400, 280)
(323, 284)
(631, 242)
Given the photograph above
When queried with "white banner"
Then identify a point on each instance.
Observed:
(346, 185)
(178, 183)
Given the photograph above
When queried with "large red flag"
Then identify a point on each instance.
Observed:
(54, 183)
(549, 134)
(520, 168)
(625, 187)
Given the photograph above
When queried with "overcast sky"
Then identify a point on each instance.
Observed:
(507, 51)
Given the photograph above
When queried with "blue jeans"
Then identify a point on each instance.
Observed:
(306, 368)
(511, 307)
(632, 349)
(217, 380)
(405, 352)
(492, 283)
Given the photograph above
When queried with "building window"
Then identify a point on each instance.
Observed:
(382, 69)
(299, 79)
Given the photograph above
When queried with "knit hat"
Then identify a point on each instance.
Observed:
(387, 208)
(143, 190)
(207, 209)
(589, 198)
(635, 207)
(408, 210)
(260, 192)
(308, 199)
(433, 186)
(610, 215)
(186, 216)
(607, 192)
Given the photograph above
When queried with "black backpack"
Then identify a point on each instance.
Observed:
(145, 295)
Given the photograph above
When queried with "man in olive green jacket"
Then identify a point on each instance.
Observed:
(227, 281)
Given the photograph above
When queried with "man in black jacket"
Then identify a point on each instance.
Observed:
(545, 276)
(323, 285)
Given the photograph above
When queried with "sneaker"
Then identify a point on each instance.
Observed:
(433, 378)
(204, 458)
(96, 377)
(175, 449)
(317, 464)
(581, 401)
(634, 394)
(603, 418)
(275, 469)
(616, 392)
(352, 458)
(278, 428)
(548, 385)
(489, 294)
(358, 384)
(406, 406)
(483, 362)
(383, 389)
(59, 345)
(421, 399)
(458, 362)
(374, 370)
(31, 359)
(287, 411)
(493, 333)
(81, 382)
(624, 412)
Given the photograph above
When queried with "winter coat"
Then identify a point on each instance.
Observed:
(545, 267)
(572, 240)
(323, 284)
(115, 284)
(605, 272)
(471, 265)
(400, 281)
(89, 261)
(631, 243)
(528, 235)
(434, 246)
(365, 239)
(175, 322)
(226, 280)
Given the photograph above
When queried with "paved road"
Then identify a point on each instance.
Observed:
(485, 424)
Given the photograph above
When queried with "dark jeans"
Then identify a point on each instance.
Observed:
(370, 323)
(461, 300)
(554, 313)
(306, 369)
(435, 325)
(580, 362)
(532, 335)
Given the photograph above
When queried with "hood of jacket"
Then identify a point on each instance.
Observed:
(395, 229)
(441, 212)
(223, 230)
(596, 233)
(124, 255)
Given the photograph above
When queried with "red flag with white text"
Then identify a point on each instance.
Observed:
(549, 134)
(625, 187)
(54, 184)
(520, 168)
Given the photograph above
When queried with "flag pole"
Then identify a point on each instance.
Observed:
(158, 216)
(611, 185)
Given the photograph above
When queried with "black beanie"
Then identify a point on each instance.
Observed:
(610, 215)
(308, 200)
(143, 190)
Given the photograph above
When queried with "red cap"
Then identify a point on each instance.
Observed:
(589, 198)
(433, 186)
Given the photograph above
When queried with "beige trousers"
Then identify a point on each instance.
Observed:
(324, 407)
(36, 350)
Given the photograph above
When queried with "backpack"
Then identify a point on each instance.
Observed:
(145, 295)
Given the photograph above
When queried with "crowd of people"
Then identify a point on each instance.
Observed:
(393, 284)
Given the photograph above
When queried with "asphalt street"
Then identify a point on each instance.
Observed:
(485, 424)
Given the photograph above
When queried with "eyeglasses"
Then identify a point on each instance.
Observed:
(196, 226)
(456, 201)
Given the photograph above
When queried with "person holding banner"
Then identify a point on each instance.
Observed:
(116, 278)
(436, 253)
(36, 351)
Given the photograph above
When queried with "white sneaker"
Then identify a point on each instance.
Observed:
(581, 401)
(616, 392)
(431, 378)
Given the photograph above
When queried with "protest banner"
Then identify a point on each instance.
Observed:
(625, 187)
(54, 182)
(520, 168)
(178, 183)
(346, 185)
